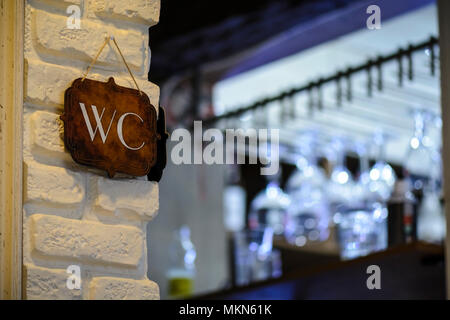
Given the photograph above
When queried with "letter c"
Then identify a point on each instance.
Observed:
(120, 132)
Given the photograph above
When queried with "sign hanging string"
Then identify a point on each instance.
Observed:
(123, 59)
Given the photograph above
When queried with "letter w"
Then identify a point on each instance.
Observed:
(98, 119)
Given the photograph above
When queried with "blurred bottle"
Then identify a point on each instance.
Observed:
(181, 274)
(234, 201)
(402, 218)
(431, 226)
(431, 221)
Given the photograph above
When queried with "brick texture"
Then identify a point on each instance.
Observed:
(53, 185)
(48, 284)
(107, 288)
(46, 83)
(87, 241)
(46, 133)
(140, 11)
(53, 38)
(135, 196)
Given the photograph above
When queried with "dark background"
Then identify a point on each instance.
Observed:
(192, 33)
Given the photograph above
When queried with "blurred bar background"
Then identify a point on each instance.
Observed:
(360, 178)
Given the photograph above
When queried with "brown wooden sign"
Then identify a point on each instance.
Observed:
(110, 127)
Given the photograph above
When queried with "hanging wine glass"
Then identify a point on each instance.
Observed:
(340, 187)
(362, 184)
(433, 135)
(382, 176)
(308, 214)
(361, 223)
(419, 160)
(431, 226)
(433, 140)
(269, 208)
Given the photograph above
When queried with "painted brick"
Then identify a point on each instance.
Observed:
(47, 132)
(48, 284)
(52, 37)
(114, 253)
(107, 288)
(88, 241)
(46, 83)
(61, 3)
(140, 11)
(53, 185)
(138, 196)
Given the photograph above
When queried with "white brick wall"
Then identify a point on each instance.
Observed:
(119, 289)
(54, 39)
(142, 11)
(53, 185)
(111, 195)
(74, 215)
(48, 284)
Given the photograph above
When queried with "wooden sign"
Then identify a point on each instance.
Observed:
(110, 127)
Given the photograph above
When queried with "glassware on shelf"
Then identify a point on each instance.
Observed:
(434, 132)
(371, 197)
(308, 214)
(431, 225)
(361, 230)
(275, 264)
(362, 223)
(182, 256)
(434, 143)
(269, 208)
(255, 259)
(423, 162)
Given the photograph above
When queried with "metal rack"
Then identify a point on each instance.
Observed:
(346, 75)
(356, 99)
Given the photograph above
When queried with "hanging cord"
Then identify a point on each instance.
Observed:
(379, 74)
(410, 64)
(310, 100)
(369, 80)
(400, 68)
(432, 58)
(339, 89)
(123, 59)
(349, 93)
